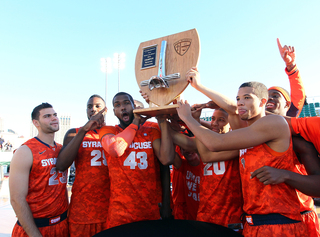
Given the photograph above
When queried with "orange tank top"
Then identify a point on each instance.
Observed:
(47, 194)
(91, 188)
(265, 199)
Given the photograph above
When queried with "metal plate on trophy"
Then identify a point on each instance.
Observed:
(161, 66)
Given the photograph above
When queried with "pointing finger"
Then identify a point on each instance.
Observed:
(279, 44)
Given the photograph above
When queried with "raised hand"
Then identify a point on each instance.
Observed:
(96, 121)
(193, 77)
(184, 110)
(288, 54)
(196, 110)
(145, 96)
(139, 119)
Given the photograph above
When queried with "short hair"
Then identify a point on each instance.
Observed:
(36, 111)
(123, 93)
(97, 96)
(222, 110)
(259, 89)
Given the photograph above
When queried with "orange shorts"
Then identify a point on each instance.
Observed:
(86, 230)
(60, 229)
(288, 230)
(312, 223)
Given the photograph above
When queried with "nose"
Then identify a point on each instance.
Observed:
(240, 102)
(214, 122)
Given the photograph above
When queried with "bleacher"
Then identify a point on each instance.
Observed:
(310, 110)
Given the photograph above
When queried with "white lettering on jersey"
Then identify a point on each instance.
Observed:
(89, 144)
(48, 162)
(218, 168)
(242, 152)
(192, 183)
(141, 145)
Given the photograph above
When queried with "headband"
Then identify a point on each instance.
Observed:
(282, 91)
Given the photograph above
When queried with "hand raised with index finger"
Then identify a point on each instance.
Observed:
(287, 53)
(96, 121)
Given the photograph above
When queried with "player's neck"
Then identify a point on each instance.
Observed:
(47, 138)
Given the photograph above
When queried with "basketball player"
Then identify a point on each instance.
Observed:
(271, 210)
(218, 204)
(279, 100)
(133, 152)
(37, 189)
(88, 209)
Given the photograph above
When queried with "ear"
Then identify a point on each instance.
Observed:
(35, 123)
(263, 102)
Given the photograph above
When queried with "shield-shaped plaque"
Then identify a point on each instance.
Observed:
(161, 65)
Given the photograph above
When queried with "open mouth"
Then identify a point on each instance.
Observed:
(125, 117)
(270, 105)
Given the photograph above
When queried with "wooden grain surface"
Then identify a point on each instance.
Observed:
(155, 111)
(179, 59)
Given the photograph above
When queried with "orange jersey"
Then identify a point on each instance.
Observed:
(220, 193)
(309, 129)
(178, 197)
(179, 210)
(266, 199)
(91, 188)
(135, 187)
(188, 186)
(47, 193)
(151, 124)
(306, 202)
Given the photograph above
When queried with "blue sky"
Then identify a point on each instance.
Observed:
(50, 50)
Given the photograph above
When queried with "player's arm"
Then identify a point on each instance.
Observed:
(296, 86)
(272, 129)
(165, 209)
(183, 141)
(164, 148)
(20, 167)
(116, 145)
(73, 140)
(219, 99)
(208, 156)
(308, 184)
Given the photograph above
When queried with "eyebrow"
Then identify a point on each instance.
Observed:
(49, 114)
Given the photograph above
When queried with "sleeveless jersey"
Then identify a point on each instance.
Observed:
(135, 186)
(189, 181)
(47, 193)
(265, 199)
(220, 193)
(179, 203)
(91, 188)
(306, 202)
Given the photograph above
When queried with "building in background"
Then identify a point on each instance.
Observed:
(64, 126)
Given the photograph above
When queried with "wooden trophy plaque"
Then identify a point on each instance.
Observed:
(161, 66)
